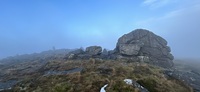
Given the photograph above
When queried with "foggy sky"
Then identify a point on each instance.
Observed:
(38, 25)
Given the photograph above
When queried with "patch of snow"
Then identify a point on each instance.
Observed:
(128, 81)
(103, 88)
(142, 87)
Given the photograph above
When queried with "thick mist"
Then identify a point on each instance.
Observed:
(35, 26)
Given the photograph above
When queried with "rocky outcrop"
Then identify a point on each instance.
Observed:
(139, 45)
(77, 51)
(94, 50)
(105, 52)
(188, 77)
(73, 54)
(141, 42)
(90, 52)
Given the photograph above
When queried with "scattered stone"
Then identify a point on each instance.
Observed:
(71, 56)
(77, 51)
(128, 81)
(143, 58)
(141, 88)
(7, 85)
(189, 78)
(139, 45)
(135, 84)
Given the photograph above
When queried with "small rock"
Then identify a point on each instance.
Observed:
(137, 85)
(128, 81)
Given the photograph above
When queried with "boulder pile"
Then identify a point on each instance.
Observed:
(138, 45)
(141, 42)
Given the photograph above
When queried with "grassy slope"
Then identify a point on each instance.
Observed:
(97, 73)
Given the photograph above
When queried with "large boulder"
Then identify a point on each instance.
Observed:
(141, 42)
(93, 50)
(129, 49)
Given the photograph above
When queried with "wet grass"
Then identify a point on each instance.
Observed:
(97, 73)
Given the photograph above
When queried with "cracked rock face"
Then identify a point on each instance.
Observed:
(141, 42)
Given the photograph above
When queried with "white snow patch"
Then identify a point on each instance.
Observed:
(128, 81)
(142, 87)
(103, 88)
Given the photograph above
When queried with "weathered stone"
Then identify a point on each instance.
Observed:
(141, 42)
(84, 56)
(129, 49)
(105, 52)
(77, 51)
(94, 50)
(110, 52)
(71, 56)
(143, 58)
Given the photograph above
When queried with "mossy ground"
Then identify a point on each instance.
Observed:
(92, 78)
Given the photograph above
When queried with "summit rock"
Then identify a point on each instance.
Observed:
(142, 42)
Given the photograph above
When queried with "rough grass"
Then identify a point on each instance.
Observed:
(94, 76)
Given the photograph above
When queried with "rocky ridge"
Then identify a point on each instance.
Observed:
(138, 45)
